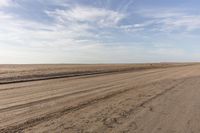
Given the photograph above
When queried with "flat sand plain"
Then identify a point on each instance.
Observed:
(140, 98)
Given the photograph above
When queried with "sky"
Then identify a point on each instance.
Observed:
(99, 31)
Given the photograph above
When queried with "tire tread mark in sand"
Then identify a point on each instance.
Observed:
(81, 77)
(36, 121)
(31, 78)
(48, 99)
(61, 96)
(162, 93)
(132, 110)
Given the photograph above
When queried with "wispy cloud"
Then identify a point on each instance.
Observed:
(69, 32)
(166, 20)
(83, 14)
(4, 3)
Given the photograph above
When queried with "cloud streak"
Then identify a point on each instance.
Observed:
(82, 14)
(4, 3)
(166, 20)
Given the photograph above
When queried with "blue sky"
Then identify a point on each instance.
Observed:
(99, 31)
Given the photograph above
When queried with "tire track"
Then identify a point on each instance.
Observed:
(58, 76)
(39, 77)
(89, 76)
(36, 121)
(107, 87)
(50, 99)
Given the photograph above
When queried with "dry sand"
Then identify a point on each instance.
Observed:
(147, 98)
